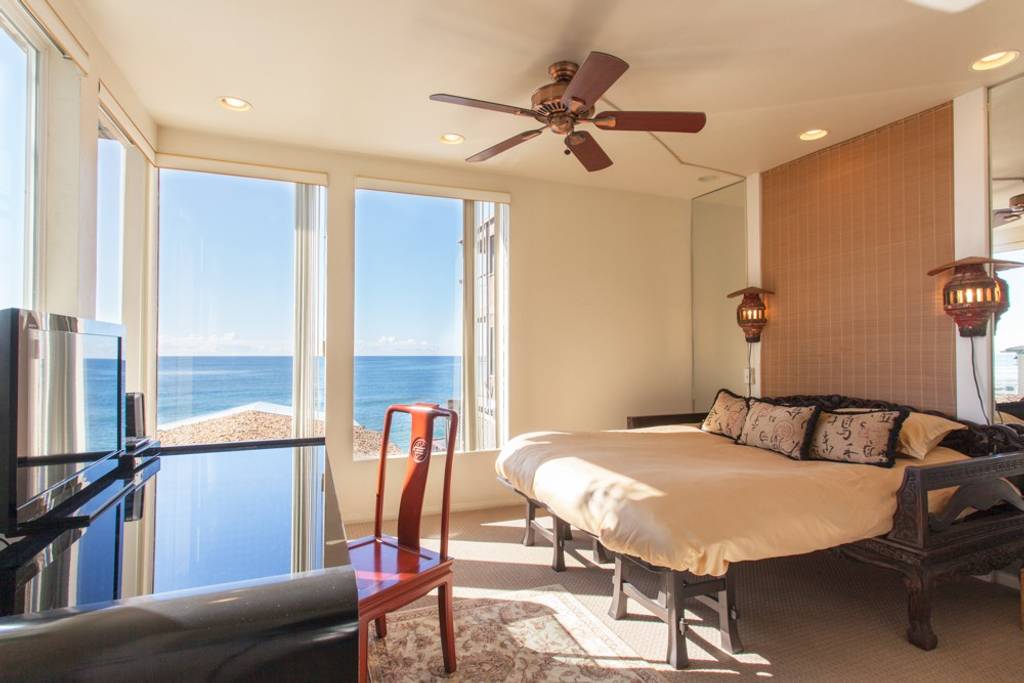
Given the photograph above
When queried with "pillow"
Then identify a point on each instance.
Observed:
(1002, 417)
(727, 415)
(922, 432)
(867, 437)
(779, 428)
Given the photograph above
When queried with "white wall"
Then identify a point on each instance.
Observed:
(599, 305)
(719, 244)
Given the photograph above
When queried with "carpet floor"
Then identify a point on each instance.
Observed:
(814, 617)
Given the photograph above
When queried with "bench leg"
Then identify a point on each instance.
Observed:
(558, 544)
(727, 616)
(675, 616)
(619, 599)
(919, 609)
(531, 514)
(601, 554)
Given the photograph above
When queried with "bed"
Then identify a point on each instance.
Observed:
(687, 504)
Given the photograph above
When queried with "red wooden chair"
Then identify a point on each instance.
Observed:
(393, 572)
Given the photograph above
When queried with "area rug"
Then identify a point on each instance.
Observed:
(541, 635)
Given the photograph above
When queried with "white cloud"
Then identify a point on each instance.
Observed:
(390, 345)
(224, 344)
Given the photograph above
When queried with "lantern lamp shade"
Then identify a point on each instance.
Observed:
(751, 314)
(973, 295)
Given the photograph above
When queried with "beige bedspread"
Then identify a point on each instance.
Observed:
(681, 498)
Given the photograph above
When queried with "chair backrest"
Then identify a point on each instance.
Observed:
(421, 441)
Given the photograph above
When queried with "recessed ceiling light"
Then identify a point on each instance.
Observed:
(452, 139)
(708, 178)
(234, 103)
(813, 134)
(995, 60)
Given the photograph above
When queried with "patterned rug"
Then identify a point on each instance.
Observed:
(533, 635)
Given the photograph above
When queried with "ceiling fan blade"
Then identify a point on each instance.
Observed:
(596, 75)
(481, 104)
(586, 149)
(505, 145)
(654, 121)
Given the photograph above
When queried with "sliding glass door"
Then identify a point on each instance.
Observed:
(240, 309)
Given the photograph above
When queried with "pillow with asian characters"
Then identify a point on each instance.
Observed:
(921, 432)
(866, 437)
(727, 415)
(780, 428)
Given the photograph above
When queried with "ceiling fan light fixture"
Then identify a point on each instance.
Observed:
(232, 103)
(813, 134)
(452, 139)
(995, 60)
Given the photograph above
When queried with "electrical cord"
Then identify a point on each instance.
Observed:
(977, 385)
(750, 371)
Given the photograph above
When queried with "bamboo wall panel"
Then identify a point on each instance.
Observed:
(848, 234)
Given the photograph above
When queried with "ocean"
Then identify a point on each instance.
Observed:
(191, 386)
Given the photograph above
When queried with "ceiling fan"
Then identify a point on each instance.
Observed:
(569, 101)
(1011, 214)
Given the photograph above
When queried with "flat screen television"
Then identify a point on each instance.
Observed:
(61, 401)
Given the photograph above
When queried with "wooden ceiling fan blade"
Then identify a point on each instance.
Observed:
(596, 75)
(481, 104)
(586, 149)
(505, 145)
(653, 121)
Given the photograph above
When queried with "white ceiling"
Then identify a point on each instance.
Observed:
(356, 75)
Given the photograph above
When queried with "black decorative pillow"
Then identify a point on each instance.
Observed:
(727, 415)
(779, 428)
(867, 437)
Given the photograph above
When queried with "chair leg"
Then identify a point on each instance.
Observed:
(618, 606)
(445, 609)
(567, 530)
(531, 514)
(381, 626)
(364, 632)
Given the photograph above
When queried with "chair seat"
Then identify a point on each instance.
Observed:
(382, 565)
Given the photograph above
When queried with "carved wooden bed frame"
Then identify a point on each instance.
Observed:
(926, 549)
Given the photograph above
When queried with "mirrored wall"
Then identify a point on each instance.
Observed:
(719, 246)
(1006, 159)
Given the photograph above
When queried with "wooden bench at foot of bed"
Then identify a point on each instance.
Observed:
(674, 587)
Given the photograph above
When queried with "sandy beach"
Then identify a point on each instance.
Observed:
(257, 425)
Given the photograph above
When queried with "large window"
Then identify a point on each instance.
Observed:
(240, 309)
(421, 334)
(18, 68)
(110, 205)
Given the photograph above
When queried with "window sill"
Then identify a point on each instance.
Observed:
(376, 457)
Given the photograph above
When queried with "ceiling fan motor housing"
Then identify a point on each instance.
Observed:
(547, 99)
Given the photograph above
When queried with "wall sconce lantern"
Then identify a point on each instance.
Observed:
(750, 314)
(973, 295)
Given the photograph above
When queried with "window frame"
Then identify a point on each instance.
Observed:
(468, 441)
(18, 24)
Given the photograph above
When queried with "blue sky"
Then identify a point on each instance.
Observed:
(408, 270)
(226, 269)
(13, 103)
(226, 265)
